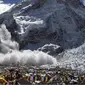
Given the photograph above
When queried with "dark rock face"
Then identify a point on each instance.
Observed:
(51, 49)
(10, 23)
(59, 22)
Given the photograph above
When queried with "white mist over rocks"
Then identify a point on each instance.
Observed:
(9, 50)
(6, 44)
(27, 57)
(10, 54)
(5, 7)
(74, 58)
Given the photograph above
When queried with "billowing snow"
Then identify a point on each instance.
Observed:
(5, 7)
(9, 52)
(74, 58)
(27, 57)
(6, 44)
(28, 22)
(34, 19)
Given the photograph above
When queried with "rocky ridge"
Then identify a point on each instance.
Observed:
(60, 22)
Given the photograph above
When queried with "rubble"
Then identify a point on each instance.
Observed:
(34, 75)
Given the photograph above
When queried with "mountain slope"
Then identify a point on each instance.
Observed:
(54, 21)
(5, 7)
(60, 22)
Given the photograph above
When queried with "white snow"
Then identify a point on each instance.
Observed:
(26, 23)
(74, 58)
(36, 18)
(6, 44)
(9, 52)
(27, 57)
(4, 34)
(5, 7)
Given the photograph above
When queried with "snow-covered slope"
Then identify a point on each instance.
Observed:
(60, 22)
(27, 57)
(6, 44)
(10, 54)
(49, 21)
(5, 7)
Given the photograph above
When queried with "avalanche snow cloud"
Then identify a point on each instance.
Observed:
(27, 57)
(5, 7)
(10, 54)
(69, 19)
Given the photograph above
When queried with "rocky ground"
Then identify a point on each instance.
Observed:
(36, 27)
(32, 75)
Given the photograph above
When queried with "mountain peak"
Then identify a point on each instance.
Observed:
(11, 1)
(33, 24)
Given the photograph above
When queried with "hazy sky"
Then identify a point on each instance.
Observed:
(11, 1)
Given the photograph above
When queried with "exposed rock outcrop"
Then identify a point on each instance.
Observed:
(60, 22)
(51, 49)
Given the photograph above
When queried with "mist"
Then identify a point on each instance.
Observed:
(27, 57)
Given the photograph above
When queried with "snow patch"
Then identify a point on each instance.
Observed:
(27, 57)
(5, 7)
(74, 58)
(27, 23)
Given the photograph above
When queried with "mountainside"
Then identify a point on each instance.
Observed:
(11, 1)
(5, 7)
(60, 22)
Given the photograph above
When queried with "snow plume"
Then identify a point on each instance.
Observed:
(5, 7)
(1, 1)
(6, 44)
(27, 57)
(9, 52)
(4, 33)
